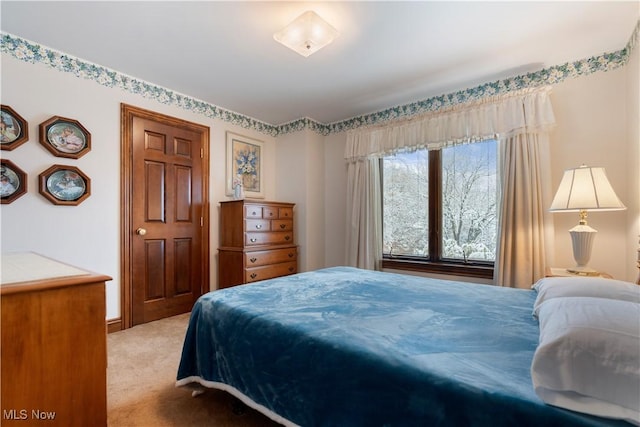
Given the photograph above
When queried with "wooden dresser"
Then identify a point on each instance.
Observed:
(256, 242)
(54, 343)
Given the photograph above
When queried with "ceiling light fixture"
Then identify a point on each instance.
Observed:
(307, 34)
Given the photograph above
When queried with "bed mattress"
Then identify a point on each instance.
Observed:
(349, 347)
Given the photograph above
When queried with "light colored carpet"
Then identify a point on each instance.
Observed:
(141, 392)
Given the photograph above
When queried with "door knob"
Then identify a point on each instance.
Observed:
(141, 231)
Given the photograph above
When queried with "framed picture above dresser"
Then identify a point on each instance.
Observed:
(256, 241)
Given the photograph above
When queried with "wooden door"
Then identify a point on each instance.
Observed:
(167, 229)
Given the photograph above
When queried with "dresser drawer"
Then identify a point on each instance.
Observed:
(281, 225)
(257, 225)
(268, 238)
(270, 271)
(270, 212)
(257, 258)
(252, 211)
(284, 213)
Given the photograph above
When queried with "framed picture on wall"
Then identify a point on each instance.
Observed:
(65, 137)
(14, 130)
(245, 165)
(64, 185)
(13, 181)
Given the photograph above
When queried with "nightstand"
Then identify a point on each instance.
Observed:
(562, 272)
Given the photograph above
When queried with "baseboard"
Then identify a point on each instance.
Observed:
(114, 325)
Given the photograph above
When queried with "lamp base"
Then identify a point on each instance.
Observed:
(582, 237)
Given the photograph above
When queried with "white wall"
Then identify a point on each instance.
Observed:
(633, 163)
(335, 199)
(88, 235)
(315, 201)
(300, 178)
(592, 128)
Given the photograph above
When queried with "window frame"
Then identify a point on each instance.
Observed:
(435, 263)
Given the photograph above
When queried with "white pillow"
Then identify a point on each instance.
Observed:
(555, 287)
(588, 357)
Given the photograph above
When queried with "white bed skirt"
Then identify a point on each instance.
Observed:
(199, 386)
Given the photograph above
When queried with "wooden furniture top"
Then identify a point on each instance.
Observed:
(257, 202)
(28, 271)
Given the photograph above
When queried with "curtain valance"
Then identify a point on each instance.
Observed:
(526, 111)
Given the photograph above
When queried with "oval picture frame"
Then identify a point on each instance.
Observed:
(64, 185)
(13, 181)
(14, 130)
(65, 137)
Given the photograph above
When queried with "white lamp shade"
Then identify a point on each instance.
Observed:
(585, 188)
(307, 34)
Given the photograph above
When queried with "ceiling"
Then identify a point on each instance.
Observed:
(387, 54)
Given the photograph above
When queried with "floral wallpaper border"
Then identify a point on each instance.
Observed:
(552, 75)
(27, 51)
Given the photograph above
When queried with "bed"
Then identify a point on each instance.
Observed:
(349, 347)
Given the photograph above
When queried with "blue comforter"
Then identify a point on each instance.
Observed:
(349, 347)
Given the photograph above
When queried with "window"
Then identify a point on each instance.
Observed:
(440, 209)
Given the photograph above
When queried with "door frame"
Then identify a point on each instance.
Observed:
(127, 115)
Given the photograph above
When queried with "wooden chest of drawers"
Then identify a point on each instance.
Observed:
(256, 242)
(54, 343)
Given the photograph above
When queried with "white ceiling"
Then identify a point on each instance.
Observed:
(387, 54)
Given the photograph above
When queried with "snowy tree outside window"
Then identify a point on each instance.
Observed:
(469, 189)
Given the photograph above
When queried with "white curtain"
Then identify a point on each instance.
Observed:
(524, 213)
(525, 112)
(364, 202)
(515, 113)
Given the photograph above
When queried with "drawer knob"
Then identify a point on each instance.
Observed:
(253, 275)
(259, 226)
(290, 254)
(287, 238)
(253, 240)
(253, 213)
(291, 269)
(282, 226)
(253, 259)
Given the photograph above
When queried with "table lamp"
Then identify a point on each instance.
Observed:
(584, 189)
